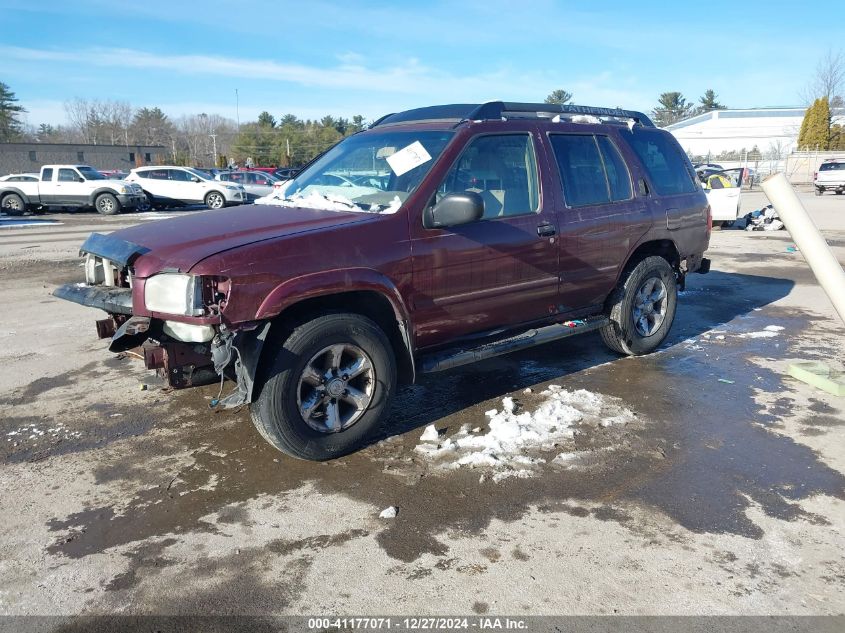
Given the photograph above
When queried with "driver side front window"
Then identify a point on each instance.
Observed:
(502, 170)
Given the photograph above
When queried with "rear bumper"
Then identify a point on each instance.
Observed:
(112, 300)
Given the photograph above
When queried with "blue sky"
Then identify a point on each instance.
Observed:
(370, 58)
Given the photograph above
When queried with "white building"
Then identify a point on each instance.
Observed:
(769, 129)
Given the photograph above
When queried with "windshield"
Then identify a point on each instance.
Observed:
(832, 166)
(373, 172)
(198, 173)
(90, 173)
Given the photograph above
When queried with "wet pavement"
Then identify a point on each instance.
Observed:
(726, 491)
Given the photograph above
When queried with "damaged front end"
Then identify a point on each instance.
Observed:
(183, 354)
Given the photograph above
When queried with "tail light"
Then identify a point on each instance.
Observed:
(815, 176)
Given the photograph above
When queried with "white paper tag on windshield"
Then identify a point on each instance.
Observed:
(407, 158)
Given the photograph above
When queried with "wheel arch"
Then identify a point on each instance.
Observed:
(364, 291)
(5, 191)
(664, 248)
(92, 198)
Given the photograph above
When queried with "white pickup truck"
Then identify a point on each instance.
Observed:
(70, 186)
(830, 176)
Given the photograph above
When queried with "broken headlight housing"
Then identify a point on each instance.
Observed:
(172, 293)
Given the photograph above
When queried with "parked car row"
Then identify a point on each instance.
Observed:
(161, 186)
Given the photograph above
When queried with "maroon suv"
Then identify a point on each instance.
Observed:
(438, 237)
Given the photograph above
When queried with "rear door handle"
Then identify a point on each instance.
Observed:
(546, 229)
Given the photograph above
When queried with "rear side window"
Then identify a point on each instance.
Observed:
(832, 166)
(47, 174)
(618, 177)
(591, 169)
(663, 160)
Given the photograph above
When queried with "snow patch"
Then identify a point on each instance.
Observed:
(430, 434)
(325, 202)
(389, 513)
(769, 331)
(514, 437)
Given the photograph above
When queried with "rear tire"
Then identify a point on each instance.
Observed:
(13, 204)
(107, 204)
(819, 191)
(147, 204)
(642, 308)
(300, 373)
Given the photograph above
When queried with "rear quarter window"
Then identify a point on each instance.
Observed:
(667, 166)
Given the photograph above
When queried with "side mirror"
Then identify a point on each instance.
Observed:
(454, 209)
(195, 179)
(80, 179)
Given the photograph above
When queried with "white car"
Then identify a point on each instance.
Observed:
(167, 186)
(19, 178)
(830, 176)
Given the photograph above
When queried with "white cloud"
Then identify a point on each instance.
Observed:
(419, 83)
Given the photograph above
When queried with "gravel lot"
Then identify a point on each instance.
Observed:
(715, 496)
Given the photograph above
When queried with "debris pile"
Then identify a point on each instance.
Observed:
(765, 219)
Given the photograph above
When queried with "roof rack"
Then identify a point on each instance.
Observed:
(451, 112)
(493, 110)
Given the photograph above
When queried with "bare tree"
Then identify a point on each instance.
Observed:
(76, 111)
(828, 80)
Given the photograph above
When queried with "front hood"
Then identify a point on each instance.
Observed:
(179, 244)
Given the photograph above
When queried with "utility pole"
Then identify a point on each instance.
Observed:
(238, 110)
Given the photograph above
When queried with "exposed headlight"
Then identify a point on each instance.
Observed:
(125, 189)
(232, 187)
(174, 294)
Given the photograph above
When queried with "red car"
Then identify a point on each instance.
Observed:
(439, 237)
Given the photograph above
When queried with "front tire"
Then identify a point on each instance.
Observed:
(642, 308)
(326, 387)
(107, 204)
(215, 200)
(13, 204)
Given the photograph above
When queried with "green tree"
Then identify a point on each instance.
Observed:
(45, 133)
(559, 96)
(815, 128)
(150, 126)
(709, 102)
(837, 138)
(357, 124)
(265, 119)
(672, 107)
(10, 124)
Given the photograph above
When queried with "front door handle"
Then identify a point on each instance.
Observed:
(546, 229)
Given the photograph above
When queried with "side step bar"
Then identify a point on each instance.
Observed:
(440, 361)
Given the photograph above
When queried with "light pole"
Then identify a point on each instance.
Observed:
(237, 110)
